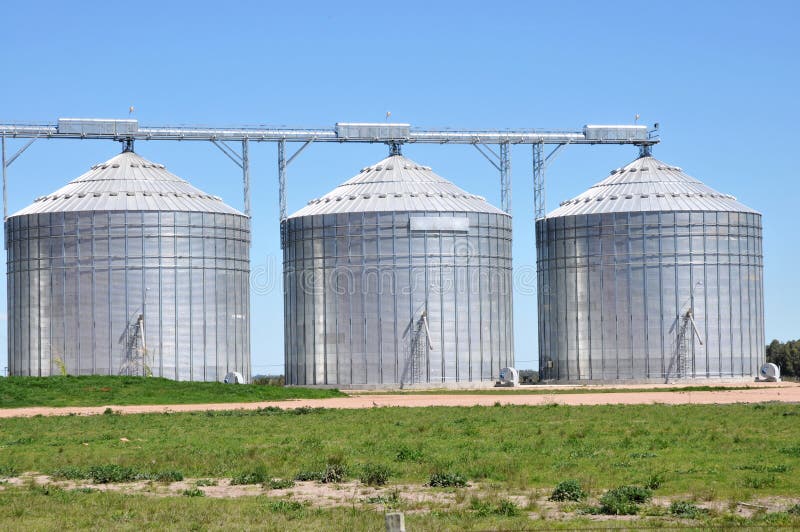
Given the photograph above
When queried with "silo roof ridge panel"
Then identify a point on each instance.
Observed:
(671, 188)
(120, 184)
(400, 185)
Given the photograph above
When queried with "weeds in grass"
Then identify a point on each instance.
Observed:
(279, 483)
(390, 499)
(287, 507)
(447, 480)
(303, 476)
(759, 482)
(107, 473)
(761, 468)
(8, 471)
(568, 490)
(793, 450)
(256, 476)
(375, 475)
(654, 481)
(794, 510)
(485, 507)
(624, 500)
(334, 473)
(193, 492)
(84, 489)
(686, 510)
(205, 482)
(407, 454)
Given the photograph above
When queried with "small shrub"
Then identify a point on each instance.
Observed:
(206, 482)
(375, 475)
(794, 510)
(194, 492)
(303, 476)
(108, 411)
(69, 473)
(257, 476)
(164, 476)
(279, 483)
(624, 500)
(483, 507)
(334, 473)
(507, 508)
(447, 480)
(104, 474)
(568, 490)
(685, 509)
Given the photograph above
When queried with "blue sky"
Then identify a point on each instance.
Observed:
(720, 77)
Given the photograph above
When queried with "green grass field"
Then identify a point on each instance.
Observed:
(107, 390)
(724, 453)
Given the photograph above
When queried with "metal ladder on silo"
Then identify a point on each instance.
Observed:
(420, 344)
(683, 343)
(135, 363)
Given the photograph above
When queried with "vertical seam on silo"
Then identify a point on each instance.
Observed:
(425, 305)
(645, 300)
(705, 286)
(577, 301)
(175, 297)
(324, 310)
(364, 286)
(379, 290)
(63, 291)
(629, 288)
(442, 333)
(94, 291)
(336, 263)
(160, 299)
(602, 301)
(395, 296)
(468, 276)
(203, 296)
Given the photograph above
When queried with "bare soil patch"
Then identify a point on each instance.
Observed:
(763, 392)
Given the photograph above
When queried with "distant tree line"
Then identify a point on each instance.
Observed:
(786, 356)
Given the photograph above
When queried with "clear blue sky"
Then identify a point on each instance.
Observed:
(720, 77)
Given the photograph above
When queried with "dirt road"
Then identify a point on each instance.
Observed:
(783, 392)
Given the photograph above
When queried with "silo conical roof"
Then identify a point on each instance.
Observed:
(128, 182)
(648, 184)
(396, 184)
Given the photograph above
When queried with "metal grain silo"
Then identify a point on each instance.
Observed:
(128, 269)
(650, 275)
(397, 277)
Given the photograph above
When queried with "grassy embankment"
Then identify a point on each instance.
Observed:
(720, 453)
(106, 390)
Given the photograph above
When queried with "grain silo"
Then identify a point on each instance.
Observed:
(397, 277)
(128, 269)
(650, 275)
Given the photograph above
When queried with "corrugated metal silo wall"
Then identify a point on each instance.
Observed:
(611, 288)
(356, 283)
(78, 281)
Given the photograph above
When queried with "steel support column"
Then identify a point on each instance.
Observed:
(6, 163)
(246, 175)
(282, 187)
(5, 198)
(505, 177)
(540, 162)
(538, 181)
